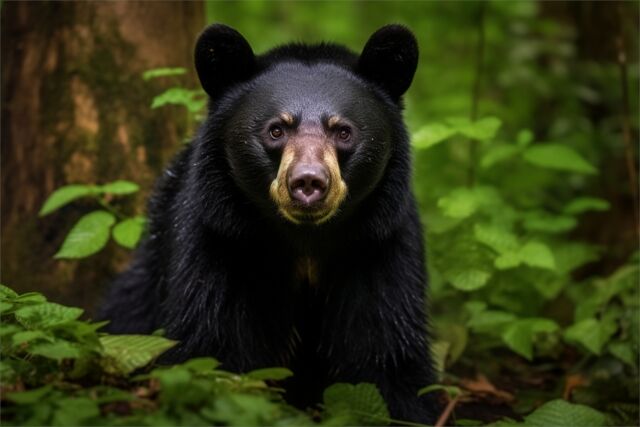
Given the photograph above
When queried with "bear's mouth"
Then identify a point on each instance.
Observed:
(299, 215)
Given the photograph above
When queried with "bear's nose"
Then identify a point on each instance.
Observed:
(308, 183)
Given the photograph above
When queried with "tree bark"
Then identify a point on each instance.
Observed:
(75, 109)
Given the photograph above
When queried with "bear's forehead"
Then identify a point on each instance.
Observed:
(310, 86)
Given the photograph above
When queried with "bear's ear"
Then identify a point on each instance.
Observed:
(389, 59)
(223, 57)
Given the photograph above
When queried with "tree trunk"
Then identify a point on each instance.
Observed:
(75, 109)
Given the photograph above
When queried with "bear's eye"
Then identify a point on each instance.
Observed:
(276, 132)
(344, 133)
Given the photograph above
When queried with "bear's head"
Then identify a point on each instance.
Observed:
(307, 130)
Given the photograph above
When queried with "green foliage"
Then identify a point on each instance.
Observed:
(559, 413)
(359, 404)
(128, 231)
(163, 72)
(88, 236)
(91, 233)
(192, 100)
(59, 370)
(555, 156)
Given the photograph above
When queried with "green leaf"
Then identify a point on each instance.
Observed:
(75, 411)
(460, 203)
(560, 157)
(128, 232)
(537, 254)
(584, 204)
(624, 351)
(58, 350)
(559, 413)
(235, 409)
(519, 336)
(27, 336)
(30, 297)
(483, 129)
(65, 195)
(9, 329)
(497, 238)
(201, 364)
(591, 333)
(569, 256)
(498, 154)
(490, 321)
(270, 374)
(7, 293)
(119, 187)
(126, 353)
(548, 223)
(163, 72)
(468, 279)
(193, 100)
(431, 134)
(456, 335)
(361, 403)
(30, 396)
(5, 306)
(46, 315)
(524, 138)
(88, 236)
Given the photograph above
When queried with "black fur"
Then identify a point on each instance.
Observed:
(217, 269)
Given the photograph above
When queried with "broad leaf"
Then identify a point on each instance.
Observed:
(46, 315)
(560, 157)
(468, 279)
(483, 129)
(584, 204)
(519, 336)
(561, 413)
(548, 223)
(75, 411)
(88, 236)
(490, 321)
(129, 352)
(591, 333)
(460, 203)
(119, 187)
(362, 403)
(537, 254)
(127, 232)
(65, 195)
(497, 238)
(30, 396)
(58, 350)
(431, 135)
(498, 154)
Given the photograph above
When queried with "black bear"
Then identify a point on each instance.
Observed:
(286, 233)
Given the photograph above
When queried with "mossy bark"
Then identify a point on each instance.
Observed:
(76, 110)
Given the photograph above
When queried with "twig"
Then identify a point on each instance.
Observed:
(442, 420)
(475, 95)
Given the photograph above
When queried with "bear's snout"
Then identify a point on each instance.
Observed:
(308, 183)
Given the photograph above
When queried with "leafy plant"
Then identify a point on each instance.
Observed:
(59, 370)
(91, 233)
(194, 100)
